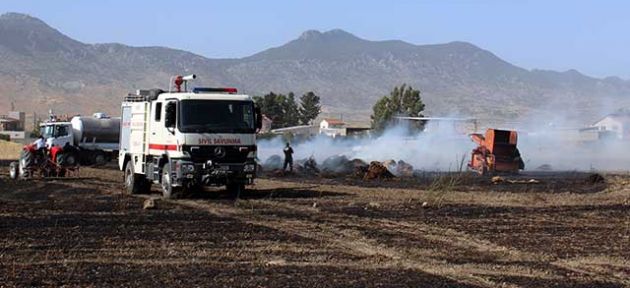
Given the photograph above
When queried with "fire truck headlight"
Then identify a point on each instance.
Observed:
(188, 168)
(249, 168)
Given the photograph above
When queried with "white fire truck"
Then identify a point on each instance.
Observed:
(185, 139)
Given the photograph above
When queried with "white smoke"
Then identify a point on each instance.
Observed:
(545, 143)
(441, 149)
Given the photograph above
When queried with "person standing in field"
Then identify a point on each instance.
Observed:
(288, 158)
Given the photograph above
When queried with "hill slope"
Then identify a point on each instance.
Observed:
(42, 68)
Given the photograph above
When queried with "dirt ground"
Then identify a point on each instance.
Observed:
(567, 230)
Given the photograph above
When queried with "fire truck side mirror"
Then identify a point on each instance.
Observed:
(258, 118)
(170, 115)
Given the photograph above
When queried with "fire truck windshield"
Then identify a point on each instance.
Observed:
(216, 116)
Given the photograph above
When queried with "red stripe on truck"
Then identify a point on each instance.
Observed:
(163, 147)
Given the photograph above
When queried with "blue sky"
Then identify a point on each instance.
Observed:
(590, 36)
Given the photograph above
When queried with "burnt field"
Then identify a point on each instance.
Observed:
(434, 230)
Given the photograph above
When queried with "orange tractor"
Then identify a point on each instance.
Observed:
(496, 153)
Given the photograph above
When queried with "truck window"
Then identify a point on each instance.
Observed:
(158, 112)
(47, 131)
(217, 116)
(61, 131)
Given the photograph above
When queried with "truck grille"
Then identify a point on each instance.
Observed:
(229, 154)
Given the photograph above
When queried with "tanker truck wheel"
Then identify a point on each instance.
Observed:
(135, 183)
(69, 159)
(100, 159)
(168, 191)
(14, 170)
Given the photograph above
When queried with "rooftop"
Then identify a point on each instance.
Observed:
(333, 121)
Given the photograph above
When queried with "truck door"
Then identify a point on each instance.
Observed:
(162, 138)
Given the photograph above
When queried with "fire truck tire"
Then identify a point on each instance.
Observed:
(168, 191)
(134, 183)
(14, 171)
(235, 189)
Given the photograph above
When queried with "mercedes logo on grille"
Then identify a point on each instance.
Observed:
(219, 152)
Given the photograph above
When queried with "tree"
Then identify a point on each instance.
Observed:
(291, 111)
(282, 110)
(402, 101)
(309, 108)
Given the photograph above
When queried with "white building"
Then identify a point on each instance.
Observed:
(617, 123)
(13, 125)
(266, 124)
(302, 130)
(332, 127)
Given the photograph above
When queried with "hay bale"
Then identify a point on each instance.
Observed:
(390, 164)
(306, 166)
(595, 178)
(404, 169)
(310, 166)
(377, 170)
(273, 162)
(339, 164)
(360, 167)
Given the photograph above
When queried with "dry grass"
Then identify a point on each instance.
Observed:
(9, 150)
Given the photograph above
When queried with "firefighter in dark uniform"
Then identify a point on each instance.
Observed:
(288, 157)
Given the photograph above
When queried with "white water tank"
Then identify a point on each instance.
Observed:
(95, 130)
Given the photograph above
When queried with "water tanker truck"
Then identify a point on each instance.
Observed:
(92, 140)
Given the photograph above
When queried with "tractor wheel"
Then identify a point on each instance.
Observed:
(27, 159)
(14, 170)
(24, 172)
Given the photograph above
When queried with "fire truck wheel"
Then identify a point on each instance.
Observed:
(168, 191)
(133, 182)
(235, 189)
(14, 171)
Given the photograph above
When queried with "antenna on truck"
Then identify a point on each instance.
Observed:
(178, 80)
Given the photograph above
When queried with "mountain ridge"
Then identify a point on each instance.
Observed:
(43, 68)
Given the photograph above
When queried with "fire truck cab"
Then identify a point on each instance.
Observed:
(184, 140)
